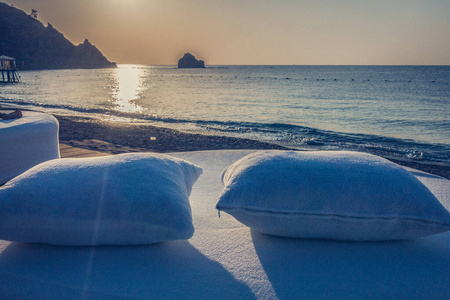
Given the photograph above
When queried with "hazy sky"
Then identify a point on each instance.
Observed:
(342, 32)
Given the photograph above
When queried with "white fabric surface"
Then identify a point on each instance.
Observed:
(226, 260)
(124, 199)
(340, 195)
(26, 142)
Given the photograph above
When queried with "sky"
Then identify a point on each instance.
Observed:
(256, 32)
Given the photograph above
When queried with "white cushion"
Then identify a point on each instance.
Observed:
(27, 142)
(331, 195)
(122, 199)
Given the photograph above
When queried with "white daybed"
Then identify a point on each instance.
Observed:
(26, 142)
(226, 260)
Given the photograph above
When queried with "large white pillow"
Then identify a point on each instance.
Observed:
(331, 195)
(122, 199)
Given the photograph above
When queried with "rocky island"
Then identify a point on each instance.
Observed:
(35, 46)
(189, 61)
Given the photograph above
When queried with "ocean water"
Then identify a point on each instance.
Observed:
(401, 112)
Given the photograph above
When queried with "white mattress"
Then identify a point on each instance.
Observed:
(226, 260)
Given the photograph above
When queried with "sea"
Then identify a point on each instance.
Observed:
(400, 112)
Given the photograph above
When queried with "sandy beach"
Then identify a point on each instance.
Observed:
(115, 137)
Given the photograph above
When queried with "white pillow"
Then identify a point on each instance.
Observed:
(331, 195)
(122, 199)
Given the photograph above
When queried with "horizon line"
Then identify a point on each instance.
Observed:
(305, 65)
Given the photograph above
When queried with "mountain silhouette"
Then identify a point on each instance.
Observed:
(35, 46)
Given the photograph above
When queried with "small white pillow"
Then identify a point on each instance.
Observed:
(330, 195)
(124, 199)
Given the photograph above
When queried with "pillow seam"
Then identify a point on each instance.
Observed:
(336, 215)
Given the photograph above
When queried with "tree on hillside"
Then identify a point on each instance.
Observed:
(34, 13)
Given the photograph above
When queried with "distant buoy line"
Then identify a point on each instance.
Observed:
(294, 79)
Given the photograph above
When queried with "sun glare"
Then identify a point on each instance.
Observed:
(128, 88)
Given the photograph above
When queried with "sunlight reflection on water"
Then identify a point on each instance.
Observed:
(128, 88)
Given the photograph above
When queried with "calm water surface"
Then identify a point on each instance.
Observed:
(397, 111)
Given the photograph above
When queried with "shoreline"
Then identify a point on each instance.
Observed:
(114, 138)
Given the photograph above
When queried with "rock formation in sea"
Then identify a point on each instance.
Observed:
(35, 46)
(189, 61)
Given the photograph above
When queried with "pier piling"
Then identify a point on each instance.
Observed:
(8, 70)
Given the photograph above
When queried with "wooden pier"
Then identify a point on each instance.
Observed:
(8, 70)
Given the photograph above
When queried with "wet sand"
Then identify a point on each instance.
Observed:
(116, 137)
